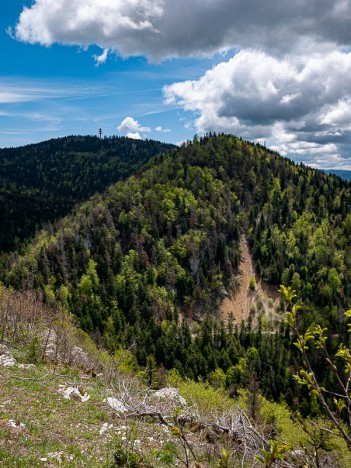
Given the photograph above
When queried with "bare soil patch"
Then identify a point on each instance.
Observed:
(243, 302)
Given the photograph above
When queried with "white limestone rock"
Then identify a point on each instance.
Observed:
(116, 405)
(170, 394)
(75, 393)
(27, 366)
(6, 358)
(105, 427)
(15, 424)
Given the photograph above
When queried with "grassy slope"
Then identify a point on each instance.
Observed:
(52, 423)
(67, 432)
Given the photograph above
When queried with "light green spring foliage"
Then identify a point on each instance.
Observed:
(207, 398)
(252, 283)
(275, 452)
(294, 433)
(333, 426)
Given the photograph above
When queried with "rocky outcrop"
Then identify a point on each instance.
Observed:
(170, 394)
(6, 358)
(116, 404)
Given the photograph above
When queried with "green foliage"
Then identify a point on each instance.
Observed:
(177, 226)
(205, 396)
(224, 461)
(167, 454)
(252, 283)
(276, 452)
(160, 242)
(43, 182)
(217, 378)
(34, 351)
(308, 377)
(126, 458)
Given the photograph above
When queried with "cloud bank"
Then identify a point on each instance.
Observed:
(299, 105)
(166, 28)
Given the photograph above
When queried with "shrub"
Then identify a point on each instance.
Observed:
(252, 283)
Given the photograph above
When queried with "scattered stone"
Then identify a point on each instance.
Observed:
(105, 427)
(75, 393)
(27, 366)
(224, 292)
(15, 424)
(58, 456)
(80, 357)
(6, 358)
(56, 352)
(4, 403)
(170, 394)
(116, 404)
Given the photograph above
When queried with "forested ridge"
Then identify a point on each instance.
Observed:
(42, 182)
(146, 264)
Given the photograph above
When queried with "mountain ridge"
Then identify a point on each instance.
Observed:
(344, 174)
(191, 205)
(42, 182)
(237, 189)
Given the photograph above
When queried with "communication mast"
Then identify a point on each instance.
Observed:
(100, 133)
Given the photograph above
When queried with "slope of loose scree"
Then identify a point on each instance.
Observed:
(257, 300)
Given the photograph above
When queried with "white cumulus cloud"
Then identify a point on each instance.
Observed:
(298, 104)
(288, 83)
(100, 59)
(162, 130)
(168, 28)
(134, 136)
(131, 125)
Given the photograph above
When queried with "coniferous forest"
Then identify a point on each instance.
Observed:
(43, 182)
(146, 264)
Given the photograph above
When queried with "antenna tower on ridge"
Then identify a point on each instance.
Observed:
(100, 133)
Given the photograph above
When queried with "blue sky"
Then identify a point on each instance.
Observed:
(62, 91)
(272, 72)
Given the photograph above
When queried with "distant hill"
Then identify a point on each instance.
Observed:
(42, 182)
(341, 173)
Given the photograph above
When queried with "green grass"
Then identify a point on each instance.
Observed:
(70, 428)
(52, 423)
(67, 432)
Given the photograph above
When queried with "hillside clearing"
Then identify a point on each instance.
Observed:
(263, 299)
